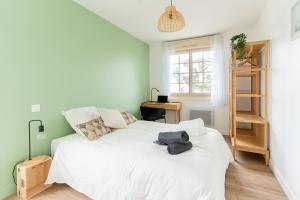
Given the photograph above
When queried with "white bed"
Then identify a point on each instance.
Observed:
(127, 165)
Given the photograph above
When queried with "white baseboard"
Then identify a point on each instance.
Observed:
(282, 182)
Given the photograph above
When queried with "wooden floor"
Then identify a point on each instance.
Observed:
(246, 179)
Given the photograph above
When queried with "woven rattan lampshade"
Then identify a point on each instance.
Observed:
(171, 20)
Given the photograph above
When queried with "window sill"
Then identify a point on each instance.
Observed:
(190, 96)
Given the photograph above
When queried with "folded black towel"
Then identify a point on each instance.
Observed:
(172, 137)
(177, 148)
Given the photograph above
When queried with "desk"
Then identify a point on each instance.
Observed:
(171, 106)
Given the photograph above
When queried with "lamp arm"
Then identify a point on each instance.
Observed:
(152, 92)
(29, 135)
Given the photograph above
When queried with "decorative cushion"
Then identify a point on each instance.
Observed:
(112, 118)
(94, 129)
(128, 117)
(80, 115)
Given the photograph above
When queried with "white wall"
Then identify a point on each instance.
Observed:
(284, 110)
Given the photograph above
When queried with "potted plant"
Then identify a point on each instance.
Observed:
(239, 44)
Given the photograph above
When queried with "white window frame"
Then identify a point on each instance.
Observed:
(190, 93)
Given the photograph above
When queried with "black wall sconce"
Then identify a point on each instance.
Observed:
(41, 129)
(152, 92)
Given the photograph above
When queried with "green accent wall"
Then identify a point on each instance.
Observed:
(60, 55)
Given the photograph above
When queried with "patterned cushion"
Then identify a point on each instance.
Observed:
(94, 128)
(128, 117)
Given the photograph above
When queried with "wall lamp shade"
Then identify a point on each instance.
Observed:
(41, 129)
(171, 20)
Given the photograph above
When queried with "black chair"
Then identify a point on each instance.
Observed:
(153, 114)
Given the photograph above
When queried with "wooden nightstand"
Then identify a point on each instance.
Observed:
(31, 176)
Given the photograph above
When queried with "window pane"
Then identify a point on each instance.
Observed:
(207, 77)
(184, 78)
(197, 56)
(207, 66)
(184, 68)
(207, 56)
(174, 59)
(197, 77)
(184, 88)
(175, 78)
(197, 88)
(174, 88)
(175, 68)
(184, 58)
(201, 72)
(206, 87)
(197, 67)
(201, 88)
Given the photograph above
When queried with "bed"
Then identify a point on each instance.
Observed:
(126, 164)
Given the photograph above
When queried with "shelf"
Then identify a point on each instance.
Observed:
(249, 119)
(248, 69)
(245, 112)
(37, 189)
(249, 95)
(257, 46)
(248, 143)
(245, 74)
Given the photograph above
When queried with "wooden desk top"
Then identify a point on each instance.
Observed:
(175, 106)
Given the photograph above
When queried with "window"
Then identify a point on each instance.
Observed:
(191, 72)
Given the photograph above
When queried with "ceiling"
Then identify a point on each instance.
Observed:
(203, 17)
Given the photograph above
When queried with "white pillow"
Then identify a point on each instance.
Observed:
(193, 127)
(112, 118)
(80, 115)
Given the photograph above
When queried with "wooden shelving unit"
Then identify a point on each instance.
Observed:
(249, 106)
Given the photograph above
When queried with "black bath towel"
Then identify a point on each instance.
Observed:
(165, 138)
(177, 148)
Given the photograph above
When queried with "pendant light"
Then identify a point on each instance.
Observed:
(171, 20)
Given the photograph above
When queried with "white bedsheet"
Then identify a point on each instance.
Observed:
(127, 165)
(55, 143)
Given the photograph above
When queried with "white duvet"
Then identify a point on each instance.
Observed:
(127, 165)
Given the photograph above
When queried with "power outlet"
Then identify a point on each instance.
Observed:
(36, 108)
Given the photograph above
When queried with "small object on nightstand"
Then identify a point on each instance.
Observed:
(31, 176)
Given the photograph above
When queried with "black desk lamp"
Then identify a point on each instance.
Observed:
(152, 92)
(41, 130)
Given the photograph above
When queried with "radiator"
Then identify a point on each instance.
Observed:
(205, 115)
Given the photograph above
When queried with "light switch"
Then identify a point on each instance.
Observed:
(36, 108)
(41, 136)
